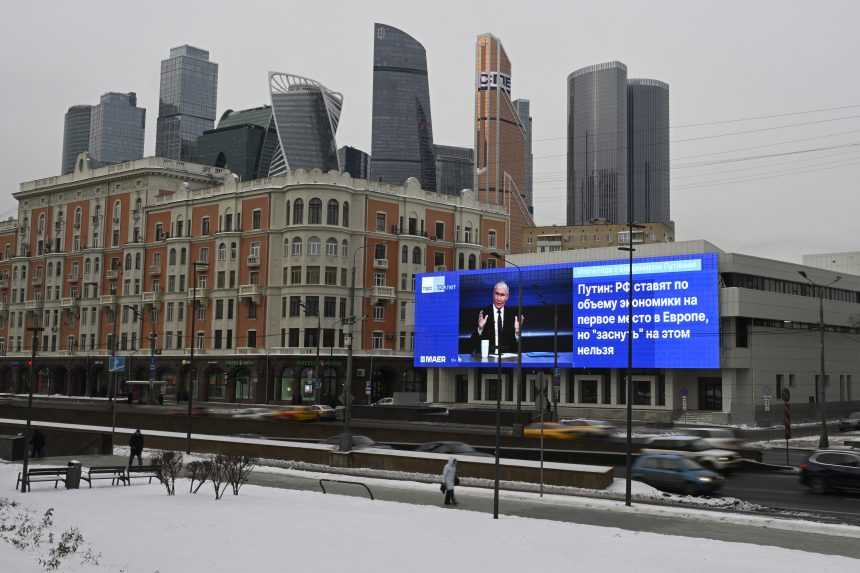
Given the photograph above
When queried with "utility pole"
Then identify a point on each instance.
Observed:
(192, 374)
(28, 438)
(346, 437)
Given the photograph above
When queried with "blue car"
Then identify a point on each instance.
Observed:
(675, 473)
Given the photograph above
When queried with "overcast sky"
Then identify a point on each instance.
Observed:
(723, 60)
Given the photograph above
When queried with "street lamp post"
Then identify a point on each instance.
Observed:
(138, 315)
(27, 437)
(346, 436)
(821, 386)
(192, 374)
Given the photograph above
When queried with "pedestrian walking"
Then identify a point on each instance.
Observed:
(135, 445)
(449, 480)
(38, 444)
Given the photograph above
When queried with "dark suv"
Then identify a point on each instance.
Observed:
(829, 470)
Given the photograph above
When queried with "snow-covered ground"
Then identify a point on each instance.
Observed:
(140, 529)
(837, 440)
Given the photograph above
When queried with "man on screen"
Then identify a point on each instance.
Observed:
(496, 324)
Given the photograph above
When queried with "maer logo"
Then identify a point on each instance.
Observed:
(432, 284)
(432, 360)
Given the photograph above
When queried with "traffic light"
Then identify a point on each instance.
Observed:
(29, 363)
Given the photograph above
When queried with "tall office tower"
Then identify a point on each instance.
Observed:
(306, 115)
(186, 104)
(117, 129)
(455, 168)
(402, 138)
(648, 149)
(597, 144)
(523, 107)
(500, 138)
(244, 142)
(76, 135)
(354, 161)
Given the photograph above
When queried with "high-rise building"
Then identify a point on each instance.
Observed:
(117, 129)
(455, 168)
(354, 161)
(402, 137)
(76, 135)
(186, 106)
(523, 107)
(597, 144)
(244, 142)
(500, 138)
(306, 115)
(648, 149)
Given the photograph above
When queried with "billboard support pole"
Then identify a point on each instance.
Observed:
(498, 430)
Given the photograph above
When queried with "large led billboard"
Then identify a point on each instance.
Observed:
(575, 313)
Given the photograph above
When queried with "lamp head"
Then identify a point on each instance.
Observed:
(803, 274)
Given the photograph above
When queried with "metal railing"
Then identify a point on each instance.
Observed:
(322, 487)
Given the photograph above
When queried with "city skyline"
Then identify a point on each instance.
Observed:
(704, 76)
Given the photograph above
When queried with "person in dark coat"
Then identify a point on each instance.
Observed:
(135, 444)
(498, 313)
(38, 444)
(449, 480)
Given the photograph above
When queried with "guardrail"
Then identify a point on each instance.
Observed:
(322, 487)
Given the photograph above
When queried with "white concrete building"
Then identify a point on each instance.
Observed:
(769, 340)
(838, 262)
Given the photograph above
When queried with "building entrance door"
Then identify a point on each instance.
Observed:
(711, 394)
(461, 390)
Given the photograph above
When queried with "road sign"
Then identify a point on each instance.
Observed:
(684, 402)
(152, 364)
(117, 364)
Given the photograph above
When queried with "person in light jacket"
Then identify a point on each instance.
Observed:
(449, 480)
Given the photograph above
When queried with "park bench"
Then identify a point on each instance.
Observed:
(149, 471)
(55, 475)
(116, 474)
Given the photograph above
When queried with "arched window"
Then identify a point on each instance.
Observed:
(41, 228)
(77, 218)
(171, 258)
(286, 246)
(314, 211)
(179, 230)
(314, 246)
(344, 248)
(233, 251)
(50, 270)
(287, 212)
(404, 257)
(59, 269)
(468, 237)
(416, 256)
(298, 212)
(472, 262)
(116, 207)
(460, 261)
(182, 255)
(222, 252)
(297, 247)
(332, 212)
(137, 261)
(128, 262)
(138, 204)
(346, 213)
(87, 266)
(491, 238)
(331, 247)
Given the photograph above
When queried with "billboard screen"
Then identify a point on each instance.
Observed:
(577, 311)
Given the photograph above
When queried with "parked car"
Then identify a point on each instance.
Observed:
(676, 473)
(593, 428)
(851, 423)
(389, 401)
(325, 412)
(358, 442)
(694, 448)
(458, 448)
(296, 413)
(829, 470)
(552, 431)
(722, 438)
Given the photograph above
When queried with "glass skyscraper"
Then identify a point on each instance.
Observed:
(76, 135)
(455, 169)
(354, 161)
(186, 107)
(244, 142)
(306, 115)
(648, 149)
(117, 129)
(523, 107)
(597, 144)
(402, 137)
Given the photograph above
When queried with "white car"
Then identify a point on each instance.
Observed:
(384, 402)
(721, 438)
(696, 449)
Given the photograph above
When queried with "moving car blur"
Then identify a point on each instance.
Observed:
(851, 423)
(676, 473)
(358, 442)
(696, 449)
(552, 431)
(458, 448)
(592, 428)
(831, 470)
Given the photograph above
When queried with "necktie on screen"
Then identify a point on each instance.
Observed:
(498, 328)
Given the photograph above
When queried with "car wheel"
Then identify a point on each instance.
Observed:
(689, 489)
(818, 485)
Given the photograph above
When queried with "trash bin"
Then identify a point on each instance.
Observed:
(73, 475)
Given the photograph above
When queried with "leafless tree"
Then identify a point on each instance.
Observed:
(218, 474)
(239, 468)
(170, 464)
(199, 472)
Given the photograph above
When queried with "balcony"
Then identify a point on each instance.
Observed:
(37, 280)
(74, 278)
(68, 302)
(249, 291)
(382, 292)
(112, 274)
(202, 293)
(380, 263)
(34, 304)
(155, 269)
(253, 260)
(107, 299)
(382, 351)
(150, 297)
(4, 306)
(247, 350)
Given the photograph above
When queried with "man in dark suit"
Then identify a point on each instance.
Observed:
(498, 325)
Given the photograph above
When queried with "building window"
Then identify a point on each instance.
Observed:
(297, 247)
(416, 256)
(377, 340)
(252, 338)
(332, 212)
(295, 306)
(329, 307)
(314, 246)
(312, 277)
(256, 219)
(298, 212)
(312, 306)
(379, 251)
(439, 259)
(379, 312)
(440, 231)
(204, 254)
(491, 238)
(331, 247)
(331, 276)
(314, 211)
(344, 248)
(204, 226)
(346, 213)
(295, 275)
(380, 222)
(252, 309)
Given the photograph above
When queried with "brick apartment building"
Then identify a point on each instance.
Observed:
(103, 258)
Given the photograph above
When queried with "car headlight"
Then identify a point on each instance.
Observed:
(706, 479)
(724, 459)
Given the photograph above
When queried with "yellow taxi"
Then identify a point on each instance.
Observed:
(296, 414)
(551, 431)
